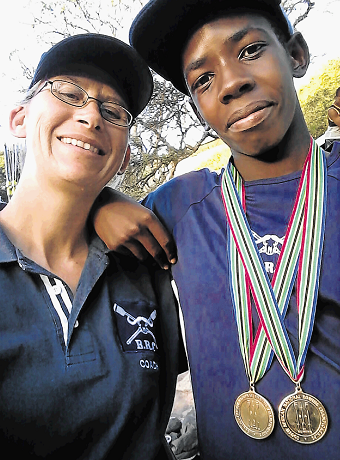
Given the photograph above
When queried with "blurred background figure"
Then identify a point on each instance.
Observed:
(333, 131)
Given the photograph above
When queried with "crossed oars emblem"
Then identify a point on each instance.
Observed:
(143, 323)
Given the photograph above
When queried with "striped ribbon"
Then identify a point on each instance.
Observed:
(299, 261)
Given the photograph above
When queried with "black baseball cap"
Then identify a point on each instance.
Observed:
(162, 28)
(103, 57)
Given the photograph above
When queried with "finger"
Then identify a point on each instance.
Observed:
(153, 247)
(165, 243)
(170, 249)
(124, 251)
(134, 248)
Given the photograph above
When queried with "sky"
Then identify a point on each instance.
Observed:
(17, 35)
(321, 31)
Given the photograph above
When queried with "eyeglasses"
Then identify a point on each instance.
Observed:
(73, 94)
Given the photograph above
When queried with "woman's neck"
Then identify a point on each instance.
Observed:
(49, 228)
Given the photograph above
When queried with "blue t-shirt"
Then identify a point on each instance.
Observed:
(191, 207)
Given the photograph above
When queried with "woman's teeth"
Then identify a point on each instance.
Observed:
(78, 143)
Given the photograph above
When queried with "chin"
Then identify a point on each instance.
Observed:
(259, 146)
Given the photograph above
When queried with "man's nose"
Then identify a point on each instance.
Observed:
(234, 82)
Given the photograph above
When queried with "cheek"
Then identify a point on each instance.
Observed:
(43, 118)
(207, 106)
(36, 127)
(288, 101)
(119, 145)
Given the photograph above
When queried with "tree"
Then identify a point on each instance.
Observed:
(297, 8)
(318, 95)
(167, 131)
(160, 139)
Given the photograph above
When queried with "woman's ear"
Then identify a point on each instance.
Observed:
(17, 121)
(125, 161)
(299, 54)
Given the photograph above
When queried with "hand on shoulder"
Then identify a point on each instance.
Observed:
(126, 226)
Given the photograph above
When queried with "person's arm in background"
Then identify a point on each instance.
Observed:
(127, 226)
(334, 116)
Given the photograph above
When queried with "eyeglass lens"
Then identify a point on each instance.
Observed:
(75, 95)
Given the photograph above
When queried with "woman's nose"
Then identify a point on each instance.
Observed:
(90, 114)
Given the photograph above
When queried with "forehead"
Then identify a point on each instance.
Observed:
(232, 28)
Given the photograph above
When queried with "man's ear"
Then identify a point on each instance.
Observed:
(299, 54)
(198, 115)
(125, 161)
(17, 121)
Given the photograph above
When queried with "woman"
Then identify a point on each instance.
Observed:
(87, 369)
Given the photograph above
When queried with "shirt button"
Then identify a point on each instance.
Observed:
(76, 324)
(57, 289)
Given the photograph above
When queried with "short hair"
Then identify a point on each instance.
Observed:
(337, 92)
(31, 92)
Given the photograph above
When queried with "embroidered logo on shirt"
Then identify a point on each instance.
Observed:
(136, 332)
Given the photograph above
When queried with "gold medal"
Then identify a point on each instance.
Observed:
(303, 417)
(254, 415)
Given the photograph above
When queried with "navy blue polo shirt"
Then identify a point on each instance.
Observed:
(91, 376)
(192, 209)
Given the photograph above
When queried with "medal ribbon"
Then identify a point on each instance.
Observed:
(300, 258)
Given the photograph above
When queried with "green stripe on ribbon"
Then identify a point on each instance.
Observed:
(300, 258)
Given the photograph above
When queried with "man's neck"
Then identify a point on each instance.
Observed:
(286, 157)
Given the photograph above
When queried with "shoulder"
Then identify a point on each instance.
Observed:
(193, 186)
(333, 110)
(333, 162)
(171, 201)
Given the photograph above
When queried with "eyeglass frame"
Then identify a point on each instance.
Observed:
(130, 116)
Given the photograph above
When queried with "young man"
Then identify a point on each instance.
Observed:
(258, 256)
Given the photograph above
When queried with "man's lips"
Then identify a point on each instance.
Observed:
(250, 116)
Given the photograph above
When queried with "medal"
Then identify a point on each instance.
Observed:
(299, 261)
(254, 415)
(302, 417)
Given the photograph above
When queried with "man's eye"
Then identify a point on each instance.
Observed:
(203, 80)
(252, 51)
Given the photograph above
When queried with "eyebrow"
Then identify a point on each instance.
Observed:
(117, 100)
(195, 65)
(235, 38)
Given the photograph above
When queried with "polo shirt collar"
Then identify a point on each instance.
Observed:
(7, 250)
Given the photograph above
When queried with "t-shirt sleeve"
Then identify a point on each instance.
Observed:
(172, 200)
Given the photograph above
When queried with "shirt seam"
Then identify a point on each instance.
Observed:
(194, 203)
